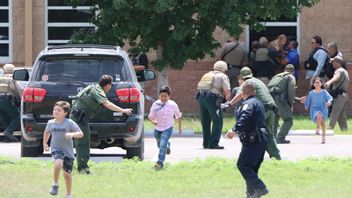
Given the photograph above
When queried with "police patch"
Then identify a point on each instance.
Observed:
(245, 106)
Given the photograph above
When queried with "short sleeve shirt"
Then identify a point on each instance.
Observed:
(58, 140)
(92, 101)
(98, 94)
(221, 82)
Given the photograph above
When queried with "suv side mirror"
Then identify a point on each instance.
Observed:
(146, 75)
(21, 74)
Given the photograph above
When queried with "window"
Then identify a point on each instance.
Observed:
(5, 31)
(72, 69)
(289, 27)
(63, 21)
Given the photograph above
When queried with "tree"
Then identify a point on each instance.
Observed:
(179, 29)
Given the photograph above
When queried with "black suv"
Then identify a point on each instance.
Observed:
(60, 72)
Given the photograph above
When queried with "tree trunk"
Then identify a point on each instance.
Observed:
(162, 76)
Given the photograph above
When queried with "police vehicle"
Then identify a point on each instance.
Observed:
(60, 72)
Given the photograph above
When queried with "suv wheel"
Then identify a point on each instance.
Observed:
(136, 151)
(30, 151)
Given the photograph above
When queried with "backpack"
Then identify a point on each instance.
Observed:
(276, 85)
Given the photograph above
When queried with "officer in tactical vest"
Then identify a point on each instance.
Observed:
(263, 95)
(212, 89)
(88, 102)
(9, 97)
(339, 83)
(252, 134)
(282, 88)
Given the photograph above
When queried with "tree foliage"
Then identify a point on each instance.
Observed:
(182, 28)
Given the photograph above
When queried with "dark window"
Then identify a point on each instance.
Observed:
(86, 69)
(63, 43)
(4, 49)
(271, 33)
(64, 33)
(4, 16)
(69, 16)
(4, 33)
(4, 3)
(64, 3)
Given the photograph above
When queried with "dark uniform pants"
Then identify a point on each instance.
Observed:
(9, 114)
(249, 162)
(210, 112)
(83, 144)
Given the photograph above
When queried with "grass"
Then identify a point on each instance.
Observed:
(299, 122)
(213, 177)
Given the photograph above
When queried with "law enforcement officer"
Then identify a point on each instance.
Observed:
(88, 102)
(339, 88)
(282, 88)
(250, 129)
(263, 95)
(213, 87)
(236, 57)
(9, 112)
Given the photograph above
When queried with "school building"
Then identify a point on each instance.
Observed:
(27, 27)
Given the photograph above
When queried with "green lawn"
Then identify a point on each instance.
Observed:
(213, 177)
(299, 122)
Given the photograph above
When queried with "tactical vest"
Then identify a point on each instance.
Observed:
(87, 103)
(206, 81)
(7, 86)
(311, 63)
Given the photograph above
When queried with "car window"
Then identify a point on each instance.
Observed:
(83, 69)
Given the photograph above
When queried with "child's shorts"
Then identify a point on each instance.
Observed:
(67, 162)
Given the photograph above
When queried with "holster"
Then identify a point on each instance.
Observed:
(247, 137)
(78, 114)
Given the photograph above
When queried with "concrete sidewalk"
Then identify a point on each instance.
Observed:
(191, 133)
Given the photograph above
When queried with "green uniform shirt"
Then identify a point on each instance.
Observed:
(262, 92)
(90, 99)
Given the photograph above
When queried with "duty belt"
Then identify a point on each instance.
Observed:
(209, 93)
(233, 66)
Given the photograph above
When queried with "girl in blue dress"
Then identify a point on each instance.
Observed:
(317, 102)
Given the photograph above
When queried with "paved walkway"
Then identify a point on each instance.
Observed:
(190, 148)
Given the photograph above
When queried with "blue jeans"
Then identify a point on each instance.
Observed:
(162, 139)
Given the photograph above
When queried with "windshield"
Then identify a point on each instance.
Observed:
(80, 69)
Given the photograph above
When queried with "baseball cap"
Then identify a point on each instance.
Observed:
(246, 72)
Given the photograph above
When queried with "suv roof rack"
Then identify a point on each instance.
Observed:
(81, 46)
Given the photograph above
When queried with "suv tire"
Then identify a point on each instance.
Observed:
(30, 151)
(132, 152)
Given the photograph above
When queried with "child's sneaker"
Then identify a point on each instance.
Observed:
(317, 132)
(158, 166)
(54, 189)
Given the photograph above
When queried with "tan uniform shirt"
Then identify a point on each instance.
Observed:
(8, 85)
(220, 83)
(237, 56)
(344, 79)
